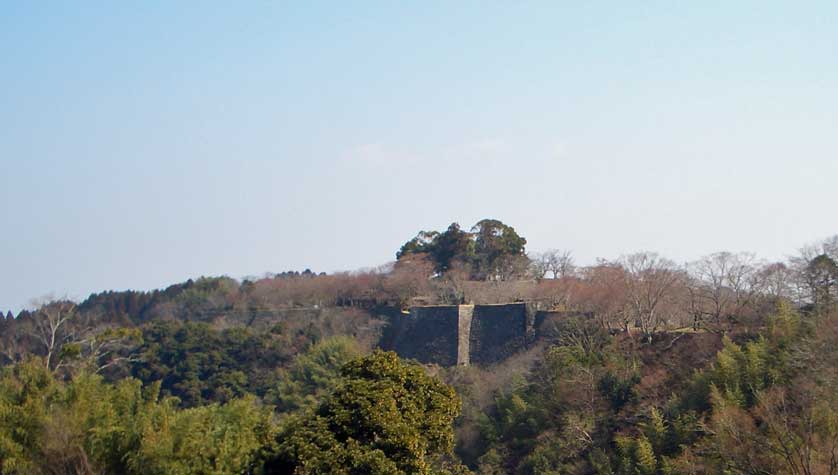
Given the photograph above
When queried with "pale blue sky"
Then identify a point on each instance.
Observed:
(143, 143)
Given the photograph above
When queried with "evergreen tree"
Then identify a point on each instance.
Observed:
(386, 418)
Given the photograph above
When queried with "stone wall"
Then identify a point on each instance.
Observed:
(497, 332)
(429, 335)
(461, 334)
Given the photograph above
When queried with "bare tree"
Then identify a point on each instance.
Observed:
(69, 339)
(538, 266)
(50, 329)
(106, 348)
(722, 285)
(649, 281)
(603, 293)
(409, 278)
(554, 293)
(559, 262)
(777, 280)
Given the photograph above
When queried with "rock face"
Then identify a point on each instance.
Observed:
(462, 334)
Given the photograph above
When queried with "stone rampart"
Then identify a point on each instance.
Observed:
(430, 335)
(462, 334)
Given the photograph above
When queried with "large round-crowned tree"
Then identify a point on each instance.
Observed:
(386, 418)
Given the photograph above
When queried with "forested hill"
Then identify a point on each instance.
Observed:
(723, 365)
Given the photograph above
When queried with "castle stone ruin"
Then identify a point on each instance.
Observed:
(450, 335)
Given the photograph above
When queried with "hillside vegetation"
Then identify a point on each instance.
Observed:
(725, 365)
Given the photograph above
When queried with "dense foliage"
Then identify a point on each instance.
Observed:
(763, 404)
(86, 426)
(385, 418)
(491, 251)
(725, 365)
(199, 364)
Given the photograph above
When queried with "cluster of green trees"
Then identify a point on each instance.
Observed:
(383, 417)
(492, 250)
(199, 364)
(587, 401)
(87, 426)
(689, 403)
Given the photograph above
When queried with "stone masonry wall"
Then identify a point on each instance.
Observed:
(461, 334)
(497, 332)
(430, 335)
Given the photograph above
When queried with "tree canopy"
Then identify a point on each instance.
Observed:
(385, 418)
(491, 250)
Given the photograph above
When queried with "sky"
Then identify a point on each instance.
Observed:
(145, 143)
